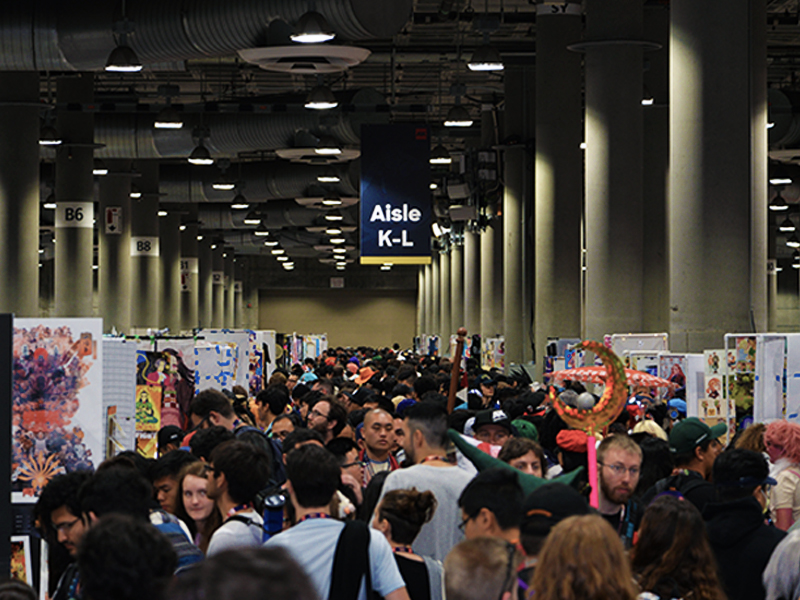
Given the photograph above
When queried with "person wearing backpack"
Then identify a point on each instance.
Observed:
(694, 447)
(344, 561)
(237, 472)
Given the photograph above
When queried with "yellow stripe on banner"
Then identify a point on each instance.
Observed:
(396, 260)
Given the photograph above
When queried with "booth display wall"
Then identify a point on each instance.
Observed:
(349, 317)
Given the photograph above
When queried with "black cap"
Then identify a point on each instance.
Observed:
(170, 434)
(549, 504)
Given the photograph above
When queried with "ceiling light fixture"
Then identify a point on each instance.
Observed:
(162, 213)
(778, 203)
(135, 192)
(182, 227)
(333, 230)
(48, 136)
(321, 98)
(328, 147)
(331, 201)
(100, 169)
(200, 155)
(271, 243)
(485, 57)
(793, 241)
(341, 263)
(123, 59)
(334, 215)
(261, 231)
(282, 258)
(340, 250)
(458, 116)
(787, 226)
(312, 28)
(329, 177)
(440, 156)
(168, 118)
(277, 251)
(252, 218)
(337, 240)
(223, 181)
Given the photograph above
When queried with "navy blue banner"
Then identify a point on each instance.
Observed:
(395, 194)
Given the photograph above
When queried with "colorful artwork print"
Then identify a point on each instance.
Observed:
(148, 408)
(745, 354)
(21, 559)
(57, 395)
(166, 371)
(673, 368)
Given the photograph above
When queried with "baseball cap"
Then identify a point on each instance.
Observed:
(549, 504)
(492, 417)
(169, 434)
(526, 429)
(686, 435)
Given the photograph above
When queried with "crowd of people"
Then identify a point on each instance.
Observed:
(352, 477)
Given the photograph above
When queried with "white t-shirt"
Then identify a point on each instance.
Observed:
(236, 534)
(312, 543)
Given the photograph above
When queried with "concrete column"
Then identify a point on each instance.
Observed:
(205, 305)
(428, 322)
(472, 282)
(436, 294)
(19, 194)
(614, 135)
(558, 175)
(230, 295)
(420, 299)
(145, 250)
(717, 199)
(190, 277)
(445, 318)
(238, 293)
(656, 173)
(518, 191)
(75, 198)
(457, 287)
(114, 253)
(218, 292)
(492, 280)
(170, 246)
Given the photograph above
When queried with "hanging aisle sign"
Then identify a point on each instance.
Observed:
(395, 195)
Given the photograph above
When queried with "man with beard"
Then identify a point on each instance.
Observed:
(237, 471)
(327, 417)
(619, 463)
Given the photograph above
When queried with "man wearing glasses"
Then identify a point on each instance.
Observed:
(327, 417)
(619, 462)
(60, 505)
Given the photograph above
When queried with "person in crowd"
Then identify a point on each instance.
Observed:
(377, 443)
(524, 454)
(583, 559)
(425, 441)
(245, 574)
(118, 487)
(14, 589)
(205, 440)
(673, 558)
(169, 439)
(282, 426)
(327, 417)
(164, 477)
(657, 464)
(195, 508)
(619, 462)
(480, 569)
(695, 447)
(781, 576)
(212, 407)
(542, 510)
(124, 558)
(346, 452)
(492, 427)
(741, 540)
(269, 405)
(313, 477)
(59, 503)
(399, 517)
(752, 438)
(237, 471)
(491, 505)
(782, 441)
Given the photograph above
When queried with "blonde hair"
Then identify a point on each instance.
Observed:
(583, 559)
(652, 428)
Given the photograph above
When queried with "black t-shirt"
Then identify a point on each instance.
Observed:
(415, 574)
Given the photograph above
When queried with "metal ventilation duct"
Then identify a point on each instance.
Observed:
(262, 181)
(76, 35)
(133, 135)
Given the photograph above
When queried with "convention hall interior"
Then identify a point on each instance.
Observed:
(598, 167)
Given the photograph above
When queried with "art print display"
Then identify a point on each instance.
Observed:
(673, 367)
(21, 559)
(58, 423)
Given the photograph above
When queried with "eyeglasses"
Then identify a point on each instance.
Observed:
(316, 413)
(463, 525)
(359, 463)
(620, 469)
(209, 469)
(65, 527)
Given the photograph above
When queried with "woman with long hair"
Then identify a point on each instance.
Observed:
(583, 559)
(400, 516)
(195, 508)
(782, 440)
(673, 558)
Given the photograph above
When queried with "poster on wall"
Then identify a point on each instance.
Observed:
(494, 351)
(214, 366)
(742, 367)
(21, 568)
(673, 367)
(238, 341)
(148, 419)
(58, 423)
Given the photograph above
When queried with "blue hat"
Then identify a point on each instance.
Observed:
(679, 404)
(308, 377)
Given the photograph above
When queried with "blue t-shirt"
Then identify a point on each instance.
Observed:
(312, 543)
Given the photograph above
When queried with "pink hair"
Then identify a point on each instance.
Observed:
(785, 435)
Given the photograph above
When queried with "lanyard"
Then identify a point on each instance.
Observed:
(406, 549)
(315, 516)
(239, 508)
(434, 457)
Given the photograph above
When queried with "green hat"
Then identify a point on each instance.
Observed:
(686, 435)
(526, 429)
(483, 461)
